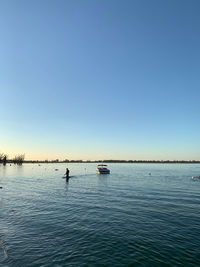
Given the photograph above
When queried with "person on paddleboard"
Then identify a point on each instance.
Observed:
(67, 174)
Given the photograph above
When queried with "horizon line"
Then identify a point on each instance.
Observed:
(106, 161)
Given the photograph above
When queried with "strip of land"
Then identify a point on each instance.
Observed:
(109, 161)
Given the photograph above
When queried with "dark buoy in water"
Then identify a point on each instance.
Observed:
(149, 173)
(56, 169)
(1, 187)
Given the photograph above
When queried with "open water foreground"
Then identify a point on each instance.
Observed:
(127, 218)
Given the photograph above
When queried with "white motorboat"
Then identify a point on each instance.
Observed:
(102, 169)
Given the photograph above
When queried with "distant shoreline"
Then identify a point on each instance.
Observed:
(112, 161)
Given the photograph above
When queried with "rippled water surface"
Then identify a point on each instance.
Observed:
(127, 218)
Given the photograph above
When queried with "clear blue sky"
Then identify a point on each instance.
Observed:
(107, 79)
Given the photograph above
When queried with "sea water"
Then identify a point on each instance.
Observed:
(138, 215)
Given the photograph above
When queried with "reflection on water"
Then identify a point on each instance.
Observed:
(127, 218)
(102, 179)
(11, 170)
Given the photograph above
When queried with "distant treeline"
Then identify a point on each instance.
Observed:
(112, 161)
(18, 159)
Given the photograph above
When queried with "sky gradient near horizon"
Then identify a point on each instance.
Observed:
(103, 79)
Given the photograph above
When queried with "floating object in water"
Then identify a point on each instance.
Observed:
(56, 169)
(1, 187)
(195, 177)
(4, 249)
(149, 173)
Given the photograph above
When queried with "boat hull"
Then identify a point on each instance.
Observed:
(99, 171)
